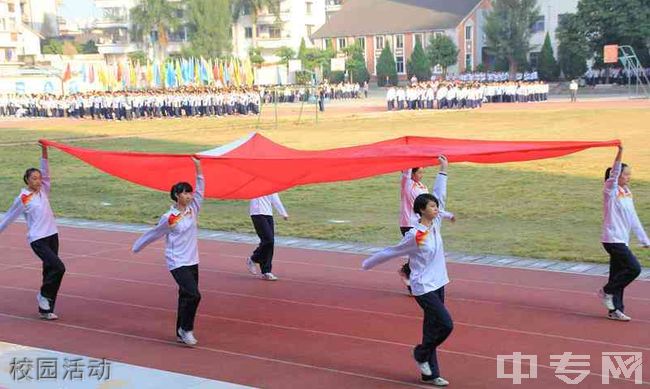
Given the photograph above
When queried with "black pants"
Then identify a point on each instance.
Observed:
(406, 269)
(187, 278)
(437, 326)
(263, 254)
(47, 249)
(623, 269)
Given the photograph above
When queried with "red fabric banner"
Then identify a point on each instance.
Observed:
(259, 166)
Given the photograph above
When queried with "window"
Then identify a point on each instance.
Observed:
(308, 8)
(11, 7)
(399, 41)
(342, 43)
(468, 33)
(328, 44)
(399, 62)
(248, 32)
(275, 32)
(538, 25)
(418, 38)
(534, 60)
(361, 42)
(379, 42)
(468, 63)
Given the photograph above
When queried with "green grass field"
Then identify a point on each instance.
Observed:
(543, 209)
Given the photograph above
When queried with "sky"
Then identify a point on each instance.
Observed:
(78, 9)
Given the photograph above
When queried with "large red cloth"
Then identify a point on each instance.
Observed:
(259, 166)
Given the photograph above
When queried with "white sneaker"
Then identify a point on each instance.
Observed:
(618, 315)
(608, 299)
(48, 316)
(424, 367)
(269, 277)
(187, 337)
(438, 381)
(43, 303)
(252, 266)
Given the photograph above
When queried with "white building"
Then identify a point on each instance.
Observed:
(551, 12)
(296, 21)
(16, 40)
(41, 16)
(115, 24)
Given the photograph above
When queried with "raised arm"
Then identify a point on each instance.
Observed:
(45, 171)
(12, 214)
(611, 184)
(405, 247)
(440, 184)
(152, 235)
(199, 191)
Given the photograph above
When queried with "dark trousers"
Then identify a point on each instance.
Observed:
(263, 254)
(187, 278)
(437, 326)
(623, 269)
(406, 269)
(47, 249)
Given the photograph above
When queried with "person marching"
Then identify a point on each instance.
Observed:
(424, 247)
(411, 187)
(179, 227)
(261, 212)
(42, 234)
(619, 216)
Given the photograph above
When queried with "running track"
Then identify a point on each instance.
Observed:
(325, 324)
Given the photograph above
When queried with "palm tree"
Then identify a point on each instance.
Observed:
(159, 16)
(254, 8)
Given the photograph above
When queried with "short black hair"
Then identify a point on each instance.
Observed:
(178, 188)
(609, 170)
(28, 173)
(421, 202)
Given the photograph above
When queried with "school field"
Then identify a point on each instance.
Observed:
(541, 209)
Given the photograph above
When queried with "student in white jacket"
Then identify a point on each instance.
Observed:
(261, 213)
(33, 202)
(424, 247)
(619, 217)
(411, 187)
(180, 229)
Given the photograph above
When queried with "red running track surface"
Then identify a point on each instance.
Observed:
(325, 324)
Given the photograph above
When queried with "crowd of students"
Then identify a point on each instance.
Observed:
(459, 95)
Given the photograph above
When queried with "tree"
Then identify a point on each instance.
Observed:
(255, 55)
(508, 30)
(254, 8)
(355, 64)
(285, 53)
(51, 46)
(547, 66)
(152, 22)
(302, 49)
(90, 47)
(573, 49)
(209, 24)
(138, 56)
(442, 51)
(418, 65)
(623, 22)
(69, 48)
(386, 68)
